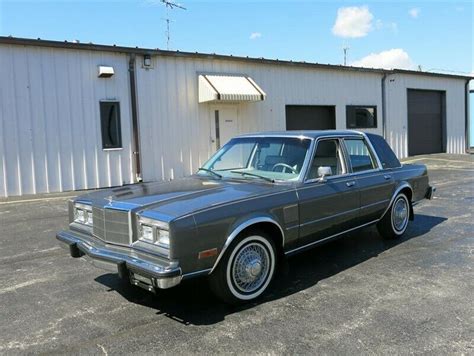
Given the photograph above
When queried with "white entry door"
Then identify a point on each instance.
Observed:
(224, 124)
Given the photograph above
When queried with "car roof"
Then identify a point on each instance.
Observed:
(312, 134)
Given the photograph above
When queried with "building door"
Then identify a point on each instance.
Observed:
(224, 124)
(425, 121)
(310, 117)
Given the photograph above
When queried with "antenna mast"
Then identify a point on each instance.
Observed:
(345, 49)
(170, 5)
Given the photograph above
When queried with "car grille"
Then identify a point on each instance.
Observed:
(111, 225)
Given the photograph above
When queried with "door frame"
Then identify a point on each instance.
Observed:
(213, 140)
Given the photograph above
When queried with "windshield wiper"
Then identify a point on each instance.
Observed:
(210, 171)
(254, 175)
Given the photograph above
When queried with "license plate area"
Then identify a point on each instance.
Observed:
(142, 281)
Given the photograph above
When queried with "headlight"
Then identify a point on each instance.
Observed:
(83, 214)
(155, 232)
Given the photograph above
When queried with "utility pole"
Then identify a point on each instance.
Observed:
(170, 5)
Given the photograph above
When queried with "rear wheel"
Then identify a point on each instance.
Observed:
(246, 270)
(395, 221)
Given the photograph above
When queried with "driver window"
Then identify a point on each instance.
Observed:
(327, 154)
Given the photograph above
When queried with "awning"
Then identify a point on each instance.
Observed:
(235, 88)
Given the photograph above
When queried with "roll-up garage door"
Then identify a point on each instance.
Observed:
(425, 121)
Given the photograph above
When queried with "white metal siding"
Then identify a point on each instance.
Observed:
(397, 110)
(176, 131)
(50, 122)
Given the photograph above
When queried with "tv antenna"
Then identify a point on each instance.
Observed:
(170, 5)
(345, 49)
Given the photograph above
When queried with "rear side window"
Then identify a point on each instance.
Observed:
(385, 153)
(360, 157)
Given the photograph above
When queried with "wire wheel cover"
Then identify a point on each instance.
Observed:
(251, 267)
(400, 214)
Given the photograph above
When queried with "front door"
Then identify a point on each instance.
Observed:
(224, 124)
(327, 206)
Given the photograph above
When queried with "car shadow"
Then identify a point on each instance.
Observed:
(192, 303)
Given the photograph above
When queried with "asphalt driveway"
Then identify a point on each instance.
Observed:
(359, 294)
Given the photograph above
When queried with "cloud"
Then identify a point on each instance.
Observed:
(392, 58)
(392, 26)
(414, 12)
(255, 35)
(353, 22)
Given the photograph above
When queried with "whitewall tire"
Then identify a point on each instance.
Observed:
(395, 221)
(246, 269)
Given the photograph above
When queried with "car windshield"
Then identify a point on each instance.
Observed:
(269, 158)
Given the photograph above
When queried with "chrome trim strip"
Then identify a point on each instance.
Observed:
(197, 273)
(404, 185)
(240, 228)
(330, 237)
(329, 217)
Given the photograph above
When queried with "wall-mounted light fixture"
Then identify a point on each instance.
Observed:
(147, 62)
(105, 72)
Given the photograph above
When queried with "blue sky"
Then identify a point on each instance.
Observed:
(433, 34)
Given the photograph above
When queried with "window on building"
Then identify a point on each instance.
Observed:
(110, 124)
(361, 117)
(360, 157)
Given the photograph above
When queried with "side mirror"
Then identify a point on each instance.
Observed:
(323, 172)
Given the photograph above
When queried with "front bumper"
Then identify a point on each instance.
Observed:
(430, 192)
(142, 269)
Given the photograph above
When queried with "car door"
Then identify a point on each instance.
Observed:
(375, 185)
(329, 206)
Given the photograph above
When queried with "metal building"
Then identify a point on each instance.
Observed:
(79, 116)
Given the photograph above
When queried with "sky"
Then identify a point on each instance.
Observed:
(436, 35)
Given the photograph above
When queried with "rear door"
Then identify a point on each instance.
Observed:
(327, 207)
(375, 185)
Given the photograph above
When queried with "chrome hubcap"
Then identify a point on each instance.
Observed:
(251, 267)
(400, 214)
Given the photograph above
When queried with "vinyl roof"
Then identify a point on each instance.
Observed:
(304, 133)
(156, 51)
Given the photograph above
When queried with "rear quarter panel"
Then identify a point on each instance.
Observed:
(416, 175)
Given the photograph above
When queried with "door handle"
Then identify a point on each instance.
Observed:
(387, 176)
(351, 184)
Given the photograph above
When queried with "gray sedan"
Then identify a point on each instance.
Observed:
(259, 198)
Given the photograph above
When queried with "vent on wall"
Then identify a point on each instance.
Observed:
(105, 72)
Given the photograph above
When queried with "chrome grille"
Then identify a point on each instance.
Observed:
(111, 225)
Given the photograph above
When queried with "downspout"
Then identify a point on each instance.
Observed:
(384, 111)
(467, 113)
(135, 133)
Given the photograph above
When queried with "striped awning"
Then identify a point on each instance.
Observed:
(231, 88)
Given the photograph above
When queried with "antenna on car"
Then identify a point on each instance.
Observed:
(170, 5)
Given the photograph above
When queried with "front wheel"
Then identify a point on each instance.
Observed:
(246, 270)
(395, 221)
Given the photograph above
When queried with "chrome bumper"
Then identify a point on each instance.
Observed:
(430, 192)
(144, 270)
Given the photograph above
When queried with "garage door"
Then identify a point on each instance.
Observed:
(425, 122)
(310, 117)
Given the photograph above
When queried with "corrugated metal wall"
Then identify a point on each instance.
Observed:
(397, 110)
(50, 124)
(176, 132)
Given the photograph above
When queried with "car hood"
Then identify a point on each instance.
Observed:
(181, 196)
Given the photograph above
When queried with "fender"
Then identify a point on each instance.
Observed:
(242, 226)
(400, 187)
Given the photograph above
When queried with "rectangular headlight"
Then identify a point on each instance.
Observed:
(155, 232)
(83, 214)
